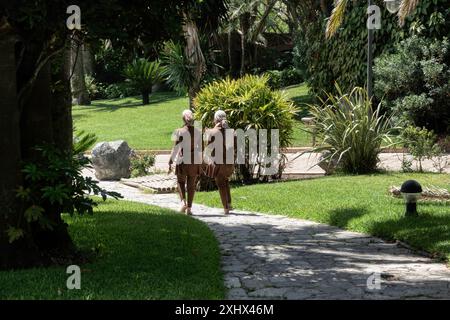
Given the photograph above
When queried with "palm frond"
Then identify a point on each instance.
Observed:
(336, 18)
(406, 8)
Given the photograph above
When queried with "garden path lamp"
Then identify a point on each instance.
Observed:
(411, 191)
(392, 5)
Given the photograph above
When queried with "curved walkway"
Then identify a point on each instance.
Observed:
(275, 257)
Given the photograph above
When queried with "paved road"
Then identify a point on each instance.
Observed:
(275, 257)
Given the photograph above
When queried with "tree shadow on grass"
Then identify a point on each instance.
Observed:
(427, 231)
(112, 105)
(341, 217)
(316, 261)
(150, 256)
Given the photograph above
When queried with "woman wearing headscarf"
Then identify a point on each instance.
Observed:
(218, 167)
(187, 154)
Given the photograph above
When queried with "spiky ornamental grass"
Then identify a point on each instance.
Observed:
(351, 131)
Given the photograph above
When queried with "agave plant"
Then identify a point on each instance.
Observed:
(350, 131)
(143, 74)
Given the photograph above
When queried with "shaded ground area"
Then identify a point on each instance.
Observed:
(267, 256)
(138, 252)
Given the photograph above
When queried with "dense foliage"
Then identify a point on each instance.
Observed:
(350, 132)
(56, 183)
(415, 83)
(249, 103)
(342, 58)
(287, 77)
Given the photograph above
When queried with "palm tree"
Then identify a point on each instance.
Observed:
(143, 74)
(340, 6)
(250, 22)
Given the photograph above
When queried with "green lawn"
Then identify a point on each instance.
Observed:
(144, 252)
(150, 127)
(359, 203)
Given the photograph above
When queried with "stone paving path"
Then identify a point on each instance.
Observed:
(275, 257)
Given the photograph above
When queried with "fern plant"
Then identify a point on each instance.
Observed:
(143, 74)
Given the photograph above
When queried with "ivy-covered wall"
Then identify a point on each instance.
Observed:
(342, 58)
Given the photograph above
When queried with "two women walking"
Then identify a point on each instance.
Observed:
(190, 162)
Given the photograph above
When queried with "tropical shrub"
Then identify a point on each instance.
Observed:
(177, 69)
(415, 83)
(95, 89)
(287, 77)
(143, 74)
(109, 62)
(56, 184)
(119, 90)
(421, 143)
(249, 103)
(349, 131)
(140, 164)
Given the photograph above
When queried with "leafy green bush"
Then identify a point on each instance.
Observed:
(109, 62)
(287, 77)
(342, 58)
(415, 83)
(119, 90)
(421, 143)
(274, 78)
(143, 74)
(351, 133)
(95, 89)
(140, 164)
(55, 184)
(249, 102)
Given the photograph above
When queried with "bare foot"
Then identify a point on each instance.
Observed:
(188, 211)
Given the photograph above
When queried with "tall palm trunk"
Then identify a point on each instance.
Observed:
(77, 81)
(195, 56)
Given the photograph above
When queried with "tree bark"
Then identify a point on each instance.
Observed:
(88, 60)
(62, 104)
(145, 97)
(23, 252)
(77, 81)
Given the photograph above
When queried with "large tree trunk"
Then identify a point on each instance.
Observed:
(62, 105)
(77, 81)
(88, 60)
(23, 252)
(37, 128)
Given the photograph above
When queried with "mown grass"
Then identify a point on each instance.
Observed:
(150, 127)
(142, 252)
(358, 203)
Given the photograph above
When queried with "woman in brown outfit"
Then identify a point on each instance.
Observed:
(219, 169)
(187, 154)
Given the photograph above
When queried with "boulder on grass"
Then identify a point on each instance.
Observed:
(111, 160)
